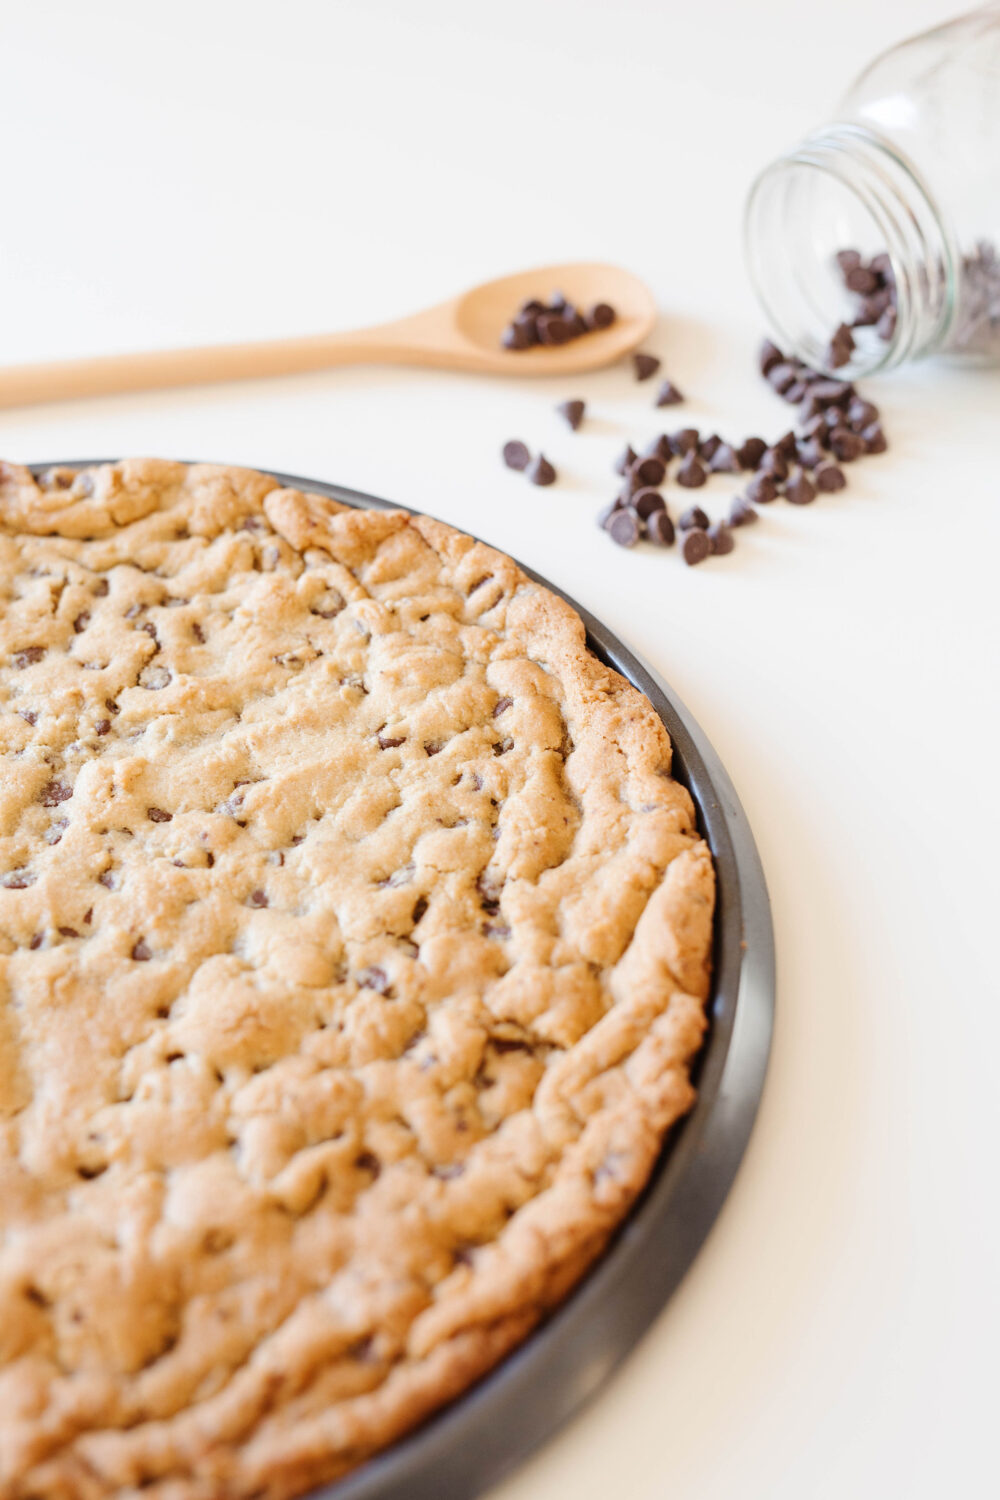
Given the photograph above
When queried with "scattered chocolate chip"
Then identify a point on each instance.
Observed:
(573, 412)
(769, 356)
(604, 516)
(541, 471)
(27, 658)
(774, 462)
(660, 448)
(781, 377)
(645, 365)
(796, 391)
(693, 516)
(808, 452)
(741, 513)
(846, 445)
(692, 473)
(625, 460)
(762, 489)
(157, 815)
(601, 315)
(388, 742)
(625, 528)
(725, 460)
(668, 395)
(786, 445)
(799, 489)
(141, 953)
(685, 440)
(874, 438)
(258, 898)
(751, 452)
(829, 477)
(660, 529)
(696, 546)
(861, 413)
(516, 455)
(832, 392)
(54, 792)
(721, 538)
(709, 447)
(649, 470)
(645, 501)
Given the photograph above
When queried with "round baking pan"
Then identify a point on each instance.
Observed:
(477, 1440)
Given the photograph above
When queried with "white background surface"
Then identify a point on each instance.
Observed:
(190, 172)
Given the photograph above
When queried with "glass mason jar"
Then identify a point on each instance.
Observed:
(907, 176)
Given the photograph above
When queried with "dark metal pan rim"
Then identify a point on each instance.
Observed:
(481, 1437)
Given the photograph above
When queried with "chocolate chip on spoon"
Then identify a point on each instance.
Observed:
(601, 315)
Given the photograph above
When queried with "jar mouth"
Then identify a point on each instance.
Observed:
(847, 188)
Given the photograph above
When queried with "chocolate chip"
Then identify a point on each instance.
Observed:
(774, 462)
(648, 470)
(685, 440)
(541, 471)
(517, 335)
(872, 308)
(848, 259)
(692, 473)
(157, 815)
(861, 414)
(27, 658)
(781, 377)
(390, 742)
(573, 412)
(762, 489)
(516, 455)
(709, 447)
(625, 527)
(54, 792)
(828, 477)
(881, 265)
(808, 452)
(660, 529)
(646, 501)
(532, 307)
(768, 356)
(832, 392)
(660, 448)
(886, 326)
(645, 365)
(751, 452)
(601, 315)
(258, 898)
(604, 516)
(721, 538)
(554, 329)
(102, 727)
(799, 489)
(786, 445)
(625, 460)
(668, 395)
(874, 438)
(846, 445)
(141, 953)
(741, 513)
(693, 516)
(796, 391)
(725, 460)
(818, 427)
(862, 280)
(696, 546)
(840, 347)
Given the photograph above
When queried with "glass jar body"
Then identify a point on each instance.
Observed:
(910, 170)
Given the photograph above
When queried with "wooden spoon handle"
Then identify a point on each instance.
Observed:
(411, 341)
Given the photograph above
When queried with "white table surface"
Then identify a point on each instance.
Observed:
(199, 171)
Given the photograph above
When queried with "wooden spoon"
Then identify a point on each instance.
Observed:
(462, 334)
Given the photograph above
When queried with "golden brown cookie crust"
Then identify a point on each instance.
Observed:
(354, 945)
